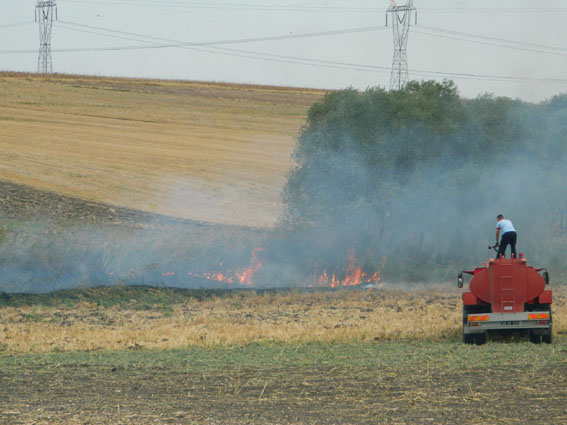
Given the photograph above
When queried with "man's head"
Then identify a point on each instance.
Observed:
(499, 217)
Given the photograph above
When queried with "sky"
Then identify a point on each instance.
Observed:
(513, 48)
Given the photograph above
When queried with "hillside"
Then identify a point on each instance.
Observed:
(203, 151)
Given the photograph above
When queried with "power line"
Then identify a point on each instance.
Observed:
(361, 29)
(296, 8)
(542, 10)
(487, 43)
(241, 53)
(207, 43)
(272, 57)
(17, 24)
(233, 6)
(254, 39)
(309, 61)
(485, 37)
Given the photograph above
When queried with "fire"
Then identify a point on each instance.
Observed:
(354, 276)
(241, 276)
(218, 276)
(245, 276)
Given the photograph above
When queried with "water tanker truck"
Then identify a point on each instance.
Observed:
(506, 296)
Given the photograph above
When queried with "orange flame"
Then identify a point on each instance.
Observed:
(241, 276)
(245, 276)
(354, 276)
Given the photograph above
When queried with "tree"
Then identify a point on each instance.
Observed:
(391, 173)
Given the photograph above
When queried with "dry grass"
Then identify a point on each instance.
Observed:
(211, 152)
(245, 318)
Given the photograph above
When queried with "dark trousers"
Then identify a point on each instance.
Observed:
(507, 238)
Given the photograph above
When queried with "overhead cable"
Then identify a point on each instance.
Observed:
(308, 61)
(485, 37)
(207, 43)
(487, 43)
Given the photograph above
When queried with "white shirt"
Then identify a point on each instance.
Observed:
(505, 226)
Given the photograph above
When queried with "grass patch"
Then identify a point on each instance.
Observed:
(449, 356)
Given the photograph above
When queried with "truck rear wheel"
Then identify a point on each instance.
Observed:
(535, 338)
(468, 338)
(477, 339)
(546, 337)
(480, 338)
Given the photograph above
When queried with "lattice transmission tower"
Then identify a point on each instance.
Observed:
(45, 13)
(401, 16)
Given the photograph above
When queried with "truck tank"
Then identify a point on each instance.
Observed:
(506, 296)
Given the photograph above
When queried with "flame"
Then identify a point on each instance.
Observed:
(245, 276)
(217, 276)
(354, 276)
(241, 276)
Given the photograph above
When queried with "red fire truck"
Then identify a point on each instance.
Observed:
(506, 296)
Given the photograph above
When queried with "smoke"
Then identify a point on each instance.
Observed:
(413, 180)
(408, 182)
(44, 255)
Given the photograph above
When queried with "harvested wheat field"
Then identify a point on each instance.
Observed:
(234, 319)
(138, 355)
(204, 151)
(240, 318)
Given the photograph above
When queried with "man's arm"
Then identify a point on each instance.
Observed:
(497, 235)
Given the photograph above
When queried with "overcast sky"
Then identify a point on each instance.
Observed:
(509, 38)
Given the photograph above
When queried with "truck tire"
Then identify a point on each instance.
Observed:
(480, 339)
(534, 338)
(477, 339)
(547, 337)
(468, 338)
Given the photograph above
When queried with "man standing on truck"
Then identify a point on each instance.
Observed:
(505, 228)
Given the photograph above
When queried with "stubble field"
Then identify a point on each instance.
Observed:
(164, 356)
(211, 152)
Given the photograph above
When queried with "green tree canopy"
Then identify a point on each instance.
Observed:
(417, 176)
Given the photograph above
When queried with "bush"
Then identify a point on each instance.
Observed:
(417, 176)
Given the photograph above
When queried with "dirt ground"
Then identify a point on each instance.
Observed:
(381, 383)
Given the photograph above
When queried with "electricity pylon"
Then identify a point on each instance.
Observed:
(401, 21)
(45, 12)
